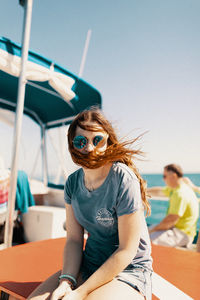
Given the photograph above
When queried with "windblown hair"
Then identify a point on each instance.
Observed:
(116, 151)
(175, 169)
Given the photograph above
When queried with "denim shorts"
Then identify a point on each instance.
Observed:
(139, 279)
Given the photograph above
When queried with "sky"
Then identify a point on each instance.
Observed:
(143, 57)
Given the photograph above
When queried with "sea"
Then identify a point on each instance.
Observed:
(159, 207)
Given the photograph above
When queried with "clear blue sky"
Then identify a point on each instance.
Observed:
(144, 58)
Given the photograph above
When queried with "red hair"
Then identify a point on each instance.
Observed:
(116, 151)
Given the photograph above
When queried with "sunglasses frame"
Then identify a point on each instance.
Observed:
(85, 143)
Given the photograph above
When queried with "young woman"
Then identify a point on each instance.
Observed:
(107, 198)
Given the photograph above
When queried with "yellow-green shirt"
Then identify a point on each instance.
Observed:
(183, 202)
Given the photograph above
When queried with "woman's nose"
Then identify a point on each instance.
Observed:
(89, 147)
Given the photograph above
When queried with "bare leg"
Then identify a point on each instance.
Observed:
(115, 290)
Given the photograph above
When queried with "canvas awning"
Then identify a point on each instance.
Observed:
(53, 94)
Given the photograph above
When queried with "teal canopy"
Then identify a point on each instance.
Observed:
(53, 94)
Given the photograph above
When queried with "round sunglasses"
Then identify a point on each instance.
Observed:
(81, 141)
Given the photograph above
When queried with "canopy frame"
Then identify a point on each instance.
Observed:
(28, 4)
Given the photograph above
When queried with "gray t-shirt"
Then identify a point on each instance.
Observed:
(98, 211)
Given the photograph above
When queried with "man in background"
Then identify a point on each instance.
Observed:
(178, 228)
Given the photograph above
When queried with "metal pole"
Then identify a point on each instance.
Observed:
(59, 172)
(85, 52)
(18, 122)
(59, 156)
(44, 156)
(36, 161)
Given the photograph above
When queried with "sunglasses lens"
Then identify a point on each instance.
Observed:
(97, 139)
(79, 142)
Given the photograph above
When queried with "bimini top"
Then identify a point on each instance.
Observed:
(53, 94)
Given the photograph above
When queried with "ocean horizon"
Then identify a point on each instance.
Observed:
(158, 207)
(156, 179)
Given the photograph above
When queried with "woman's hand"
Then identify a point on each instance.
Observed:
(62, 290)
(65, 292)
(74, 295)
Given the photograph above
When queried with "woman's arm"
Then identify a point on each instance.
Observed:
(72, 253)
(74, 244)
(129, 227)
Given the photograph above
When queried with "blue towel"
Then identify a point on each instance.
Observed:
(24, 198)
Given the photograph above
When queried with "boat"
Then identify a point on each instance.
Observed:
(176, 271)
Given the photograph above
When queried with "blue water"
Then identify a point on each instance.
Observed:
(158, 207)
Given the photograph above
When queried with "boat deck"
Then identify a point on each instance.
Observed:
(25, 266)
